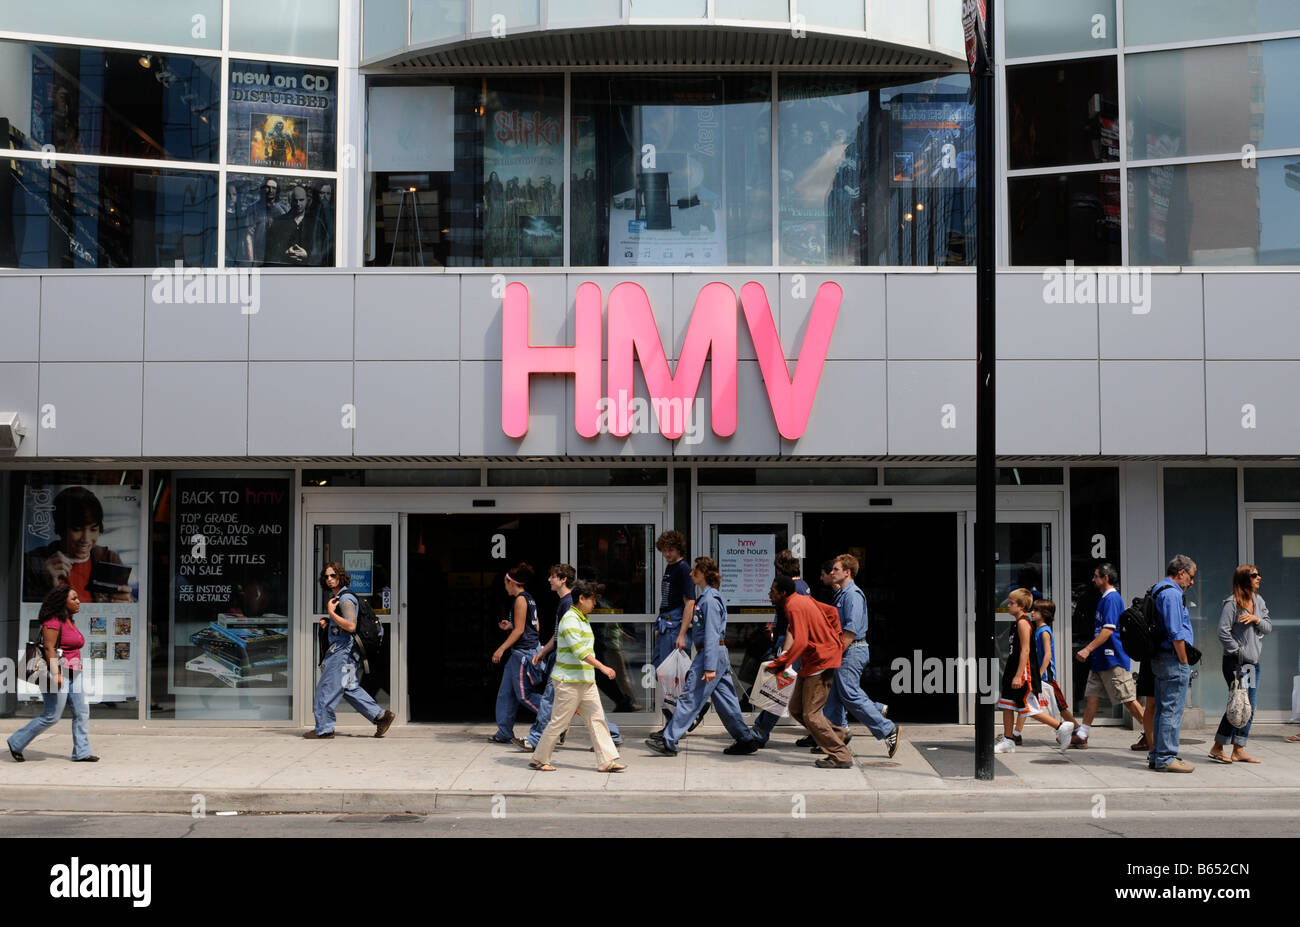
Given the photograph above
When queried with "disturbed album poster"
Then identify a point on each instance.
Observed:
(278, 140)
(282, 116)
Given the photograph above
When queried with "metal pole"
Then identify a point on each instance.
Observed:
(985, 401)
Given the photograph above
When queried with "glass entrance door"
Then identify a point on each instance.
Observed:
(365, 547)
(1274, 548)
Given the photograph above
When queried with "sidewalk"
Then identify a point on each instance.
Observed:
(452, 768)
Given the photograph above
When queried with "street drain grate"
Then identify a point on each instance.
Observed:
(957, 761)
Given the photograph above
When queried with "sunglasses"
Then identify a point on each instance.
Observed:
(1254, 576)
(331, 576)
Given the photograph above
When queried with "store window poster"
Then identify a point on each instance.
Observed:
(282, 116)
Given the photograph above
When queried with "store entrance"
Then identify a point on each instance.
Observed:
(909, 572)
(456, 596)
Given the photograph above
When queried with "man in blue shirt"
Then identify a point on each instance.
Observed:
(847, 696)
(1111, 671)
(1171, 669)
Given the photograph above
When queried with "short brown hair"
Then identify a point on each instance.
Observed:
(564, 572)
(1046, 607)
(672, 539)
(708, 568)
(787, 564)
(849, 562)
(1022, 597)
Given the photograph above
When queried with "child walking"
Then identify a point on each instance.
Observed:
(1043, 614)
(1020, 680)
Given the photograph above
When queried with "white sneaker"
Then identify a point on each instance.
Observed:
(1004, 746)
(1063, 735)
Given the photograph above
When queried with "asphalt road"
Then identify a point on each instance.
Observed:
(1281, 823)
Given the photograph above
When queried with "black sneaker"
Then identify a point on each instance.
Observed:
(892, 741)
(312, 735)
(384, 723)
(699, 718)
(1020, 741)
(742, 748)
(89, 758)
(16, 754)
(831, 763)
(660, 747)
(806, 741)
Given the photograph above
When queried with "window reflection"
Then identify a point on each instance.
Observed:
(87, 215)
(1061, 217)
(1063, 113)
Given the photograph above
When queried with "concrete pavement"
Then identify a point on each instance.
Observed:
(423, 769)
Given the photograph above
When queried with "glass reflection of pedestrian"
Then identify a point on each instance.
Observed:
(70, 559)
(58, 631)
(1242, 625)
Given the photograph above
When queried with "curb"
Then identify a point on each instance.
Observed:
(990, 800)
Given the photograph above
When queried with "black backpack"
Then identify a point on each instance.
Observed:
(368, 636)
(1140, 628)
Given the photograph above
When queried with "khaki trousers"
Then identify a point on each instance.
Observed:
(806, 704)
(570, 698)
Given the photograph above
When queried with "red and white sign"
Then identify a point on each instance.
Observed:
(974, 17)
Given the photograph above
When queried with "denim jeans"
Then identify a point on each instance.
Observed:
(339, 679)
(847, 696)
(544, 709)
(696, 692)
(71, 691)
(1249, 672)
(1172, 678)
(515, 690)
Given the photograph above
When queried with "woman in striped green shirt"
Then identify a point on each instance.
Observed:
(575, 685)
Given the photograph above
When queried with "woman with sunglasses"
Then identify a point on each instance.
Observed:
(1242, 627)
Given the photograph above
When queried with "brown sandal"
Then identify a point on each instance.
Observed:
(611, 768)
(1293, 739)
(541, 767)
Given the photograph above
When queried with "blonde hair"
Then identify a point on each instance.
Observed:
(1022, 597)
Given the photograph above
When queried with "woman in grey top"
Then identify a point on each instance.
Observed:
(1242, 627)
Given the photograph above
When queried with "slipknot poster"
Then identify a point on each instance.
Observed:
(523, 180)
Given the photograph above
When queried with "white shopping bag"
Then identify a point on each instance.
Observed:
(671, 678)
(1047, 699)
(772, 691)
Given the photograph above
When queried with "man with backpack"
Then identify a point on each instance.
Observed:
(1171, 666)
(339, 676)
(1110, 671)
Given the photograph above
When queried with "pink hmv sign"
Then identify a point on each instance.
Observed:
(711, 335)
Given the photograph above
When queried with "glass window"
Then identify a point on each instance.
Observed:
(837, 14)
(1037, 28)
(106, 102)
(1173, 110)
(437, 19)
(513, 14)
(279, 221)
(383, 26)
(1272, 484)
(1063, 113)
(665, 9)
(1275, 546)
(566, 11)
(1061, 217)
(466, 173)
(908, 21)
(1094, 539)
(672, 170)
(1148, 22)
(777, 11)
(154, 22)
(297, 28)
(81, 529)
(1215, 213)
(876, 176)
(282, 116)
(1200, 507)
(89, 215)
(221, 598)
(620, 558)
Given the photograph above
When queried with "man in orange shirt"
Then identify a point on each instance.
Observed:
(814, 637)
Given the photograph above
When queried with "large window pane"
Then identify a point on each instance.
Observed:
(1094, 539)
(468, 172)
(1147, 22)
(512, 14)
(1201, 522)
(1276, 546)
(1062, 217)
(664, 9)
(873, 175)
(87, 215)
(1037, 28)
(672, 171)
(564, 11)
(1216, 213)
(300, 28)
(383, 26)
(279, 221)
(282, 116)
(1063, 113)
(437, 19)
(837, 14)
(106, 102)
(621, 558)
(196, 23)
(759, 10)
(1174, 110)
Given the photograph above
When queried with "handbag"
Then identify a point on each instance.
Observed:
(1238, 711)
(36, 668)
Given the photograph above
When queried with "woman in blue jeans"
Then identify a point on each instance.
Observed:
(58, 632)
(1242, 626)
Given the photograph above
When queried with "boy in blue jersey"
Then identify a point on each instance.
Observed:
(1110, 669)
